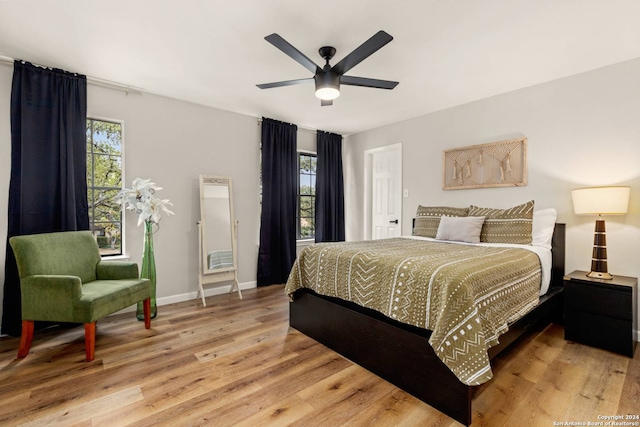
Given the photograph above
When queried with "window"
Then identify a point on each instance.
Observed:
(104, 181)
(306, 196)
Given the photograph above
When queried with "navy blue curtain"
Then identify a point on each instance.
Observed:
(329, 188)
(277, 251)
(48, 187)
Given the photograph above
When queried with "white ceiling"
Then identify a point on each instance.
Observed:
(444, 52)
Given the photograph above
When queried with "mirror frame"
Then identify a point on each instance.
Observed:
(219, 181)
(207, 276)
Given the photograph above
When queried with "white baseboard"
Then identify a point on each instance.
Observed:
(211, 290)
(217, 290)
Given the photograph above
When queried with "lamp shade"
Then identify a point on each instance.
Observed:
(601, 200)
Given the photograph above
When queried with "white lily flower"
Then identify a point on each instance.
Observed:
(144, 188)
(140, 198)
(128, 198)
(151, 211)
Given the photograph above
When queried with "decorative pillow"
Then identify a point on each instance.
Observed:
(460, 229)
(512, 225)
(428, 219)
(544, 222)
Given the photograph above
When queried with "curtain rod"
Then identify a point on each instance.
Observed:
(315, 131)
(299, 127)
(91, 80)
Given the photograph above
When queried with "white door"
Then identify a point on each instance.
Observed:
(386, 193)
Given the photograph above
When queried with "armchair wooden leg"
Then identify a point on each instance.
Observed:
(90, 340)
(25, 338)
(147, 312)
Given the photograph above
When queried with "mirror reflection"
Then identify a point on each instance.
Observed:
(217, 232)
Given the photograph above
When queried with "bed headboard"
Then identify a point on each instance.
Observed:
(558, 255)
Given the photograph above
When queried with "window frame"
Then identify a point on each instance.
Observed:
(299, 195)
(123, 247)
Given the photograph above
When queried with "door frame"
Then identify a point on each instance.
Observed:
(368, 198)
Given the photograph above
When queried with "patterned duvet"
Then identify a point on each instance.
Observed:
(466, 295)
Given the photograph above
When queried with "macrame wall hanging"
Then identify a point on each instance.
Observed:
(497, 164)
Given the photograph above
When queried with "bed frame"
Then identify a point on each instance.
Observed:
(401, 353)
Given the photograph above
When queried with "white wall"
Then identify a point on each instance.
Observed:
(306, 140)
(582, 131)
(171, 142)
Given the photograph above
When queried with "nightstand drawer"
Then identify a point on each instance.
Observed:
(600, 299)
(598, 331)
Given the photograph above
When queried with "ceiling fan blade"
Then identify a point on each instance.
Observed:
(284, 83)
(326, 103)
(365, 82)
(294, 53)
(367, 48)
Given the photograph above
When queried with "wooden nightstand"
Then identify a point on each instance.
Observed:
(601, 313)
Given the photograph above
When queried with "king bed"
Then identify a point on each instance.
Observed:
(424, 314)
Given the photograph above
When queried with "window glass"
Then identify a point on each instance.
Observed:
(306, 196)
(104, 181)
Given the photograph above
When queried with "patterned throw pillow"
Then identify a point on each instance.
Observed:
(506, 225)
(428, 219)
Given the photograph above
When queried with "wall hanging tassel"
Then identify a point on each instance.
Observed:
(468, 168)
(480, 159)
(455, 172)
(501, 173)
(509, 163)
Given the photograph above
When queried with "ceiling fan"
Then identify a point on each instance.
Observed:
(328, 79)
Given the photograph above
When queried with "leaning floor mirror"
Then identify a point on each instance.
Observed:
(217, 234)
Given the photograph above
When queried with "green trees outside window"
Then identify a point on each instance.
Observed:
(306, 196)
(104, 181)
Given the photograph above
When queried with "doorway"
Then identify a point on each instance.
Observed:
(383, 192)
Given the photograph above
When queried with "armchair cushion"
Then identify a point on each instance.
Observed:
(103, 297)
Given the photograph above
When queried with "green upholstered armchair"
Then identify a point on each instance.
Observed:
(63, 279)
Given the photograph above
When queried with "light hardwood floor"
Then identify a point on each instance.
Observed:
(237, 363)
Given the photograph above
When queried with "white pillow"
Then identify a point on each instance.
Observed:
(460, 229)
(544, 222)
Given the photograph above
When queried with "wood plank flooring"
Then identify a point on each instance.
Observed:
(237, 363)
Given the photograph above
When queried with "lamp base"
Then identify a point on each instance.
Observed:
(599, 275)
(599, 269)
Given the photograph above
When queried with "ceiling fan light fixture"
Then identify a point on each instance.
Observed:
(327, 93)
(327, 85)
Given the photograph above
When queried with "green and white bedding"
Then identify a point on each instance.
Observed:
(465, 294)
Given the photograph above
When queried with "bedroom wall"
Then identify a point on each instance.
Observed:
(171, 142)
(582, 130)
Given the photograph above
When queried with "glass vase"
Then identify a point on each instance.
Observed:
(148, 270)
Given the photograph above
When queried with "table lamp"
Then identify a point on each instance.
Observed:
(600, 201)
